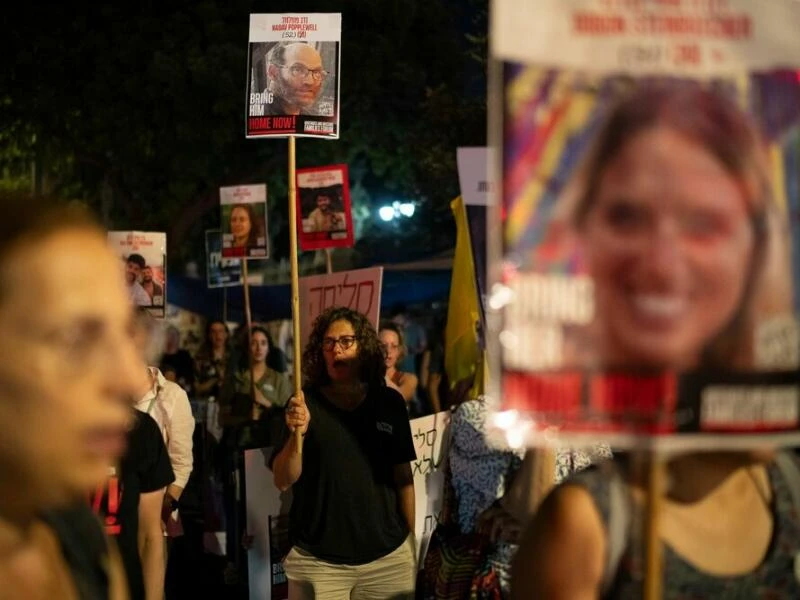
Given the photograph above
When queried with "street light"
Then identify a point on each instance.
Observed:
(396, 211)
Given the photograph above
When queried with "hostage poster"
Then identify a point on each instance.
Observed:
(144, 260)
(220, 272)
(649, 246)
(293, 75)
(323, 203)
(243, 214)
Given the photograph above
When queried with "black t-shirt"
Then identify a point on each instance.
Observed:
(144, 468)
(345, 508)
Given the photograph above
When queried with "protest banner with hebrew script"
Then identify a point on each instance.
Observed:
(359, 290)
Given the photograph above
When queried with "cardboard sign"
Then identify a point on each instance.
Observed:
(293, 76)
(220, 272)
(243, 210)
(359, 290)
(144, 258)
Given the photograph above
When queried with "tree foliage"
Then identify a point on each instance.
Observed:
(138, 109)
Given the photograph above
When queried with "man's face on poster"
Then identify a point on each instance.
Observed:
(132, 272)
(299, 80)
(147, 275)
(324, 203)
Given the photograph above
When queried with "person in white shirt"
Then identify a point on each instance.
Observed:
(168, 404)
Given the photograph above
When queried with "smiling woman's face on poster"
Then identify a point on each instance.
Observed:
(671, 228)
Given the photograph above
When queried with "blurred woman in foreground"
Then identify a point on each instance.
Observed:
(66, 385)
(677, 223)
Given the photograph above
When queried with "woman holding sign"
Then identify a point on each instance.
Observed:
(678, 226)
(352, 514)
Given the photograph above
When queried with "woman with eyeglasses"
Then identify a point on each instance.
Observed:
(394, 346)
(352, 515)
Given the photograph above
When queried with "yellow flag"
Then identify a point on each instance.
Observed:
(463, 358)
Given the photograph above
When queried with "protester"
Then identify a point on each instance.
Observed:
(677, 223)
(131, 506)
(176, 362)
(167, 403)
(352, 513)
(393, 344)
(211, 363)
(295, 76)
(64, 384)
(245, 228)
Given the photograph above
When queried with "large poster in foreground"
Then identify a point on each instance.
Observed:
(649, 275)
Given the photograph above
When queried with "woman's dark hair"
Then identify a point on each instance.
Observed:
(714, 122)
(31, 219)
(371, 357)
(256, 225)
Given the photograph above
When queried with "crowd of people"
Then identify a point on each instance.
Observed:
(683, 272)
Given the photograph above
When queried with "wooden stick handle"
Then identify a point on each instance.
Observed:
(298, 383)
(654, 574)
(255, 408)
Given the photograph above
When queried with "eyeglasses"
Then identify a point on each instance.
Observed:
(301, 72)
(345, 342)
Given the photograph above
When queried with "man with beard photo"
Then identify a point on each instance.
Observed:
(153, 289)
(324, 217)
(295, 76)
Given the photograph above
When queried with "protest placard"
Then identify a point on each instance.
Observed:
(475, 177)
(323, 203)
(243, 210)
(220, 272)
(144, 258)
(649, 205)
(268, 508)
(293, 75)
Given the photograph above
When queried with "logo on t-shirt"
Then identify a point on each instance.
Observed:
(106, 500)
(384, 427)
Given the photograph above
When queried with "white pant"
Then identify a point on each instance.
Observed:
(392, 577)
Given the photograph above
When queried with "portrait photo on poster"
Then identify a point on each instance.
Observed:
(324, 209)
(295, 91)
(144, 261)
(655, 265)
(293, 76)
(243, 215)
(220, 272)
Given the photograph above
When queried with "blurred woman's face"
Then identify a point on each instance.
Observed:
(259, 347)
(391, 344)
(66, 389)
(240, 224)
(668, 241)
(218, 335)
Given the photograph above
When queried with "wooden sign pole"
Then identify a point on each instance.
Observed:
(298, 377)
(256, 409)
(653, 581)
